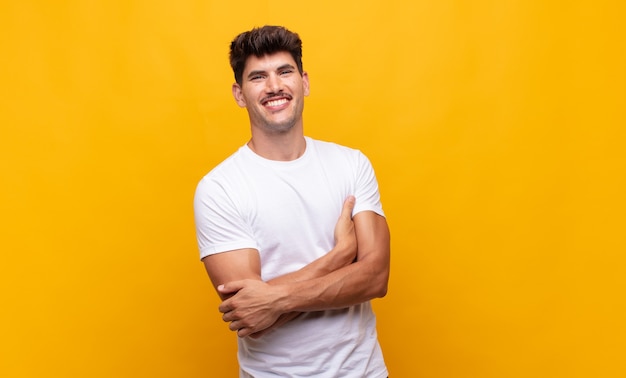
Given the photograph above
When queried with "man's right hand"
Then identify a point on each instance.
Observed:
(245, 264)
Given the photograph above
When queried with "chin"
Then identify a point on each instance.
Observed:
(280, 127)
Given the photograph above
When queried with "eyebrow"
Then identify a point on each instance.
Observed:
(287, 65)
(261, 72)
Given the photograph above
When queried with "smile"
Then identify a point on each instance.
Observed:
(278, 102)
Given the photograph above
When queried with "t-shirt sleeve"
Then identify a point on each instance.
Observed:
(366, 191)
(220, 227)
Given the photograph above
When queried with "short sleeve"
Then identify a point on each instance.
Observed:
(220, 226)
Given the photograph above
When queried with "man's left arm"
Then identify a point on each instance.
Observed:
(365, 279)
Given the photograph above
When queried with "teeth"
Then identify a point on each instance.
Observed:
(277, 102)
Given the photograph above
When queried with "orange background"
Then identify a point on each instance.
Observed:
(496, 129)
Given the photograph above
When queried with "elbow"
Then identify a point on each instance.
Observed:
(382, 290)
(381, 286)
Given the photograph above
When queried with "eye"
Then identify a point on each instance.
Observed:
(286, 71)
(256, 77)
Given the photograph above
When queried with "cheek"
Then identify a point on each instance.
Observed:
(247, 97)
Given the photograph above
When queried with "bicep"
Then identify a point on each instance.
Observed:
(373, 238)
(373, 255)
(233, 265)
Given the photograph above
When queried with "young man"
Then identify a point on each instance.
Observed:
(291, 230)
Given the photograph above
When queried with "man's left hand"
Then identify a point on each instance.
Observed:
(252, 308)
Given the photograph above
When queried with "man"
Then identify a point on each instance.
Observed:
(276, 231)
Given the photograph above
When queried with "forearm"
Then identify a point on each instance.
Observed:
(341, 288)
(333, 281)
(221, 267)
(350, 285)
(354, 283)
(340, 256)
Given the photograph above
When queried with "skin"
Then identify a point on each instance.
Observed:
(354, 271)
(245, 264)
(277, 131)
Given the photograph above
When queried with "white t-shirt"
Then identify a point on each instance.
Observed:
(287, 210)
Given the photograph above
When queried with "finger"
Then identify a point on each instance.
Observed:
(228, 317)
(243, 332)
(225, 307)
(348, 206)
(230, 287)
(234, 326)
(240, 329)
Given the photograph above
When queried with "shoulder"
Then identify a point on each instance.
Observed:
(334, 150)
(224, 175)
(340, 155)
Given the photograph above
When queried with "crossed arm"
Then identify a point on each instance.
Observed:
(354, 271)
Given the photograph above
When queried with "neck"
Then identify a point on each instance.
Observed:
(281, 146)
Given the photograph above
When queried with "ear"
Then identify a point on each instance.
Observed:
(305, 83)
(238, 95)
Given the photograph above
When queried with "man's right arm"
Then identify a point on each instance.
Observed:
(245, 263)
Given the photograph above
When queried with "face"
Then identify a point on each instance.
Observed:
(272, 91)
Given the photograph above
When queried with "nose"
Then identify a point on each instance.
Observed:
(274, 84)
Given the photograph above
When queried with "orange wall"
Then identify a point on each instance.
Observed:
(496, 129)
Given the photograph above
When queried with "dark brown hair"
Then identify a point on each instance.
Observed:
(262, 41)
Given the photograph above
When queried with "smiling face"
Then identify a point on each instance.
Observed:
(272, 90)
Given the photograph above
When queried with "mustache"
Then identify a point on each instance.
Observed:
(275, 96)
